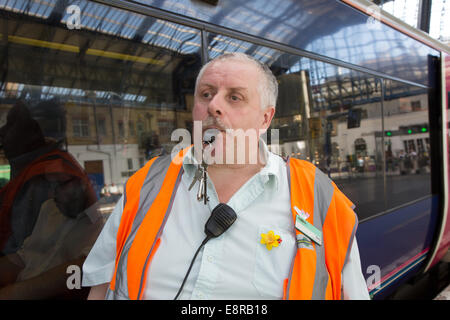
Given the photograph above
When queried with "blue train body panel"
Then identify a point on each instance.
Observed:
(396, 242)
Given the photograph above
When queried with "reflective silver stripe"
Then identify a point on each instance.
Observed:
(288, 169)
(323, 193)
(150, 189)
(114, 295)
(349, 248)
(166, 215)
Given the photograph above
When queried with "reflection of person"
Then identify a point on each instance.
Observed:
(105, 191)
(47, 187)
(152, 145)
(423, 162)
(262, 255)
(389, 158)
(360, 163)
(113, 189)
(114, 192)
(63, 235)
(401, 162)
(414, 161)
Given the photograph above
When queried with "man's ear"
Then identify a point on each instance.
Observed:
(268, 115)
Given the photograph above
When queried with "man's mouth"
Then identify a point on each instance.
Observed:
(210, 135)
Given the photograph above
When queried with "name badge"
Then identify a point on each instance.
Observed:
(308, 230)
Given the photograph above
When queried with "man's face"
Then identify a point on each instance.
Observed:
(70, 197)
(228, 91)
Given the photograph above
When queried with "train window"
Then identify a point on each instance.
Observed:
(83, 102)
(406, 143)
(328, 115)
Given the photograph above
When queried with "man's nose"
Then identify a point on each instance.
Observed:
(215, 107)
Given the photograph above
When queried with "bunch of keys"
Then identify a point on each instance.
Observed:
(201, 176)
(202, 170)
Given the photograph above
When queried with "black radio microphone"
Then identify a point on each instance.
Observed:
(222, 217)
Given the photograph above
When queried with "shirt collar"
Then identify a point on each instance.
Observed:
(269, 175)
(93, 213)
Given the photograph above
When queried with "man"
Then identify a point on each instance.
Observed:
(38, 166)
(62, 236)
(148, 242)
(41, 207)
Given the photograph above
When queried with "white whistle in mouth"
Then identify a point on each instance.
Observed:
(209, 136)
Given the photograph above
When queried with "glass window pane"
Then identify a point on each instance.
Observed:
(407, 145)
(97, 99)
(328, 115)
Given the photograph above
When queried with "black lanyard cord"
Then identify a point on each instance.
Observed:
(222, 217)
(190, 266)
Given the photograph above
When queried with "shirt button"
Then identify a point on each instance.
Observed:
(210, 258)
(199, 295)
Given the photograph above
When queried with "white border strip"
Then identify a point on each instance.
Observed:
(445, 154)
(397, 275)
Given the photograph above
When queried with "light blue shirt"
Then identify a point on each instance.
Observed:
(233, 266)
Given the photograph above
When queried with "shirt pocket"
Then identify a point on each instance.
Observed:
(272, 266)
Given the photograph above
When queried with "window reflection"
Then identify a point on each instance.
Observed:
(333, 117)
(80, 111)
(328, 115)
(407, 143)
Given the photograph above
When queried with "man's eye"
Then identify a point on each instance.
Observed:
(206, 94)
(235, 98)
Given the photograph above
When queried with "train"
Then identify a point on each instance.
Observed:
(362, 95)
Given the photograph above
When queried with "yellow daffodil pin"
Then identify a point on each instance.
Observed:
(270, 239)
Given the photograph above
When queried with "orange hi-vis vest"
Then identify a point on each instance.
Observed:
(316, 271)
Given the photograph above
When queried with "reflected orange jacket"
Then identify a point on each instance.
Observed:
(316, 270)
(54, 162)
